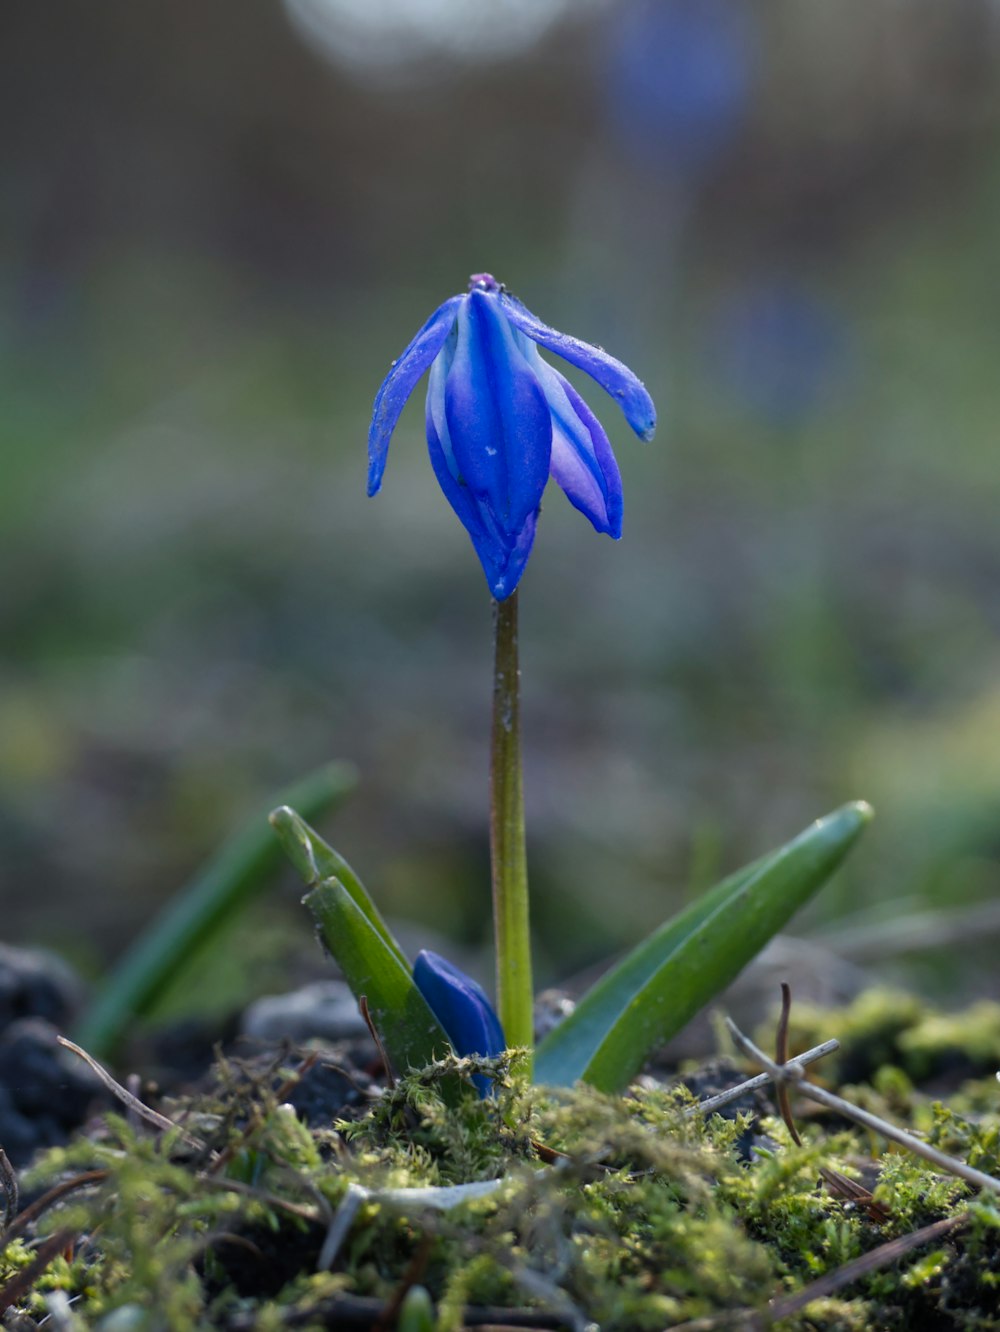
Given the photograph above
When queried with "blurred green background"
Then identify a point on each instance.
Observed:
(218, 224)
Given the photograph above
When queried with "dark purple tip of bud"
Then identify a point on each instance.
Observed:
(484, 282)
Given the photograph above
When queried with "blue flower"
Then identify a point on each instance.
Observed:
(501, 421)
(463, 1010)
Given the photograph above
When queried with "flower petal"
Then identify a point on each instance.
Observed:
(583, 462)
(400, 382)
(462, 1008)
(503, 559)
(498, 420)
(614, 377)
(503, 583)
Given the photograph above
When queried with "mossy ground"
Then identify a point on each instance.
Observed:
(625, 1213)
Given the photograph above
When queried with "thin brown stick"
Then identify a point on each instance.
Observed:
(859, 1267)
(31, 1213)
(20, 1285)
(34, 1210)
(301, 1210)
(255, 1119)
(781, 1057)
(137, 1107)
(790, 1073)
(228, 1237)
(414, 1272)
(851, 1191)
(839, 1184)
(550, 1155)
(390, 1077)
(753, 1320)
(8, 1182)
(295, 1077)
(713, 1103)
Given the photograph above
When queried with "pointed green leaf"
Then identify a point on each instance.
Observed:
(199, 913)
(655, 991)
(315, 861)
(411, 1033)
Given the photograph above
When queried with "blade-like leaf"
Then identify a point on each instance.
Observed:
(411, 1033)
(315, 861)
(658, 988)
(198, 913)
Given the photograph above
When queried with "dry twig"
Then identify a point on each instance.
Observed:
(220, 1159)
(414, 1272)
(8, 1182)
(839, 1184)
(30, 1213)
(390, 1077)
(133, 1103)
(755, 1320)
(20, 1284)
(713, 1103)
(859, 1267)
(785, 1073)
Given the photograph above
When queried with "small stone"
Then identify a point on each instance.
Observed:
(35, 983)
(45, 1092)
(325, 1010)
(551, 1006)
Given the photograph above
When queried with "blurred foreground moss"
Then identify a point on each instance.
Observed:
(620, 1212)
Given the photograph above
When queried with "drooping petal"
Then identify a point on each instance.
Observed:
(588, 476)
(462, 1008)
(400, 382)
(502, 558)
(499, 424)
(614, 377)
(583, 462)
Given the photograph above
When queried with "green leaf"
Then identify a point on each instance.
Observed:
(416, 1313)
(411, 1033)
(315, 861)
(362, 945)
(199, 912)
(656, 990)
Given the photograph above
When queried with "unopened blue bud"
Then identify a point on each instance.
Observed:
(462, 1008)
(501, 421)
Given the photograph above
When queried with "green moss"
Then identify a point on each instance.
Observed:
(887, 1027)
(628, 1212)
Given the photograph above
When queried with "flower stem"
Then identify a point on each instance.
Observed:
(507, 851)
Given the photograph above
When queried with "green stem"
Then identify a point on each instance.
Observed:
(507, 852)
